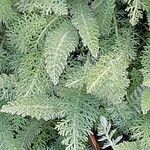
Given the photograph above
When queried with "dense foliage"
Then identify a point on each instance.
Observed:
(74, 74)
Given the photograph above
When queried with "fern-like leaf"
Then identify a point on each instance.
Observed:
(85, 22)
(7, 87)
(44, 7)
(104, 11)
(6, 12)
(146, 75)
(122, 116)
(32, 76)
(145, 103)
(78, 109)
(135, 98)
(108, 78)
(146, 65)
(128, 146)
(106, 135)
(26, 136)
(24, 32)
(47, 134)
(39, 107)
(7, 142)
(135, 8)
(59, 44)
(76, 78)
(17, 122)
(141, 131)
(57, 145)
(81, 113)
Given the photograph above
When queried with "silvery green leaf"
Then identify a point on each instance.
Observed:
(108, 127)
(118, 139)
(106, 145)
(103, 138)
(112, 133)
(103, 121)
(100, 133)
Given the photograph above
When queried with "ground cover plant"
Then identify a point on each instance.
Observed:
(74, 75)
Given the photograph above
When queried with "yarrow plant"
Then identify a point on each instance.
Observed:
(74, 74)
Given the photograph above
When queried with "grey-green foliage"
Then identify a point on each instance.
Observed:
(135, 8)
(59, 44)
(141, 131)
(145, 63)
(35, 107)
(128, 146)
(85, 22)
(96, 78)
(105, 13)
(56, 145)
(6, 12)
(7, 84)
(45, 7)
(121, 115)
(146, 81)
(65, 63)
(3, 55)
(109, 71)
(106, 135)
(82, 110)
(6, 135)
(40, 141)
(28, 133)
(79, 117)
(24, 32)
(37, 81)
(17, 122)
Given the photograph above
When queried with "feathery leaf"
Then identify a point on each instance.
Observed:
(59, 44)
(84, 20)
